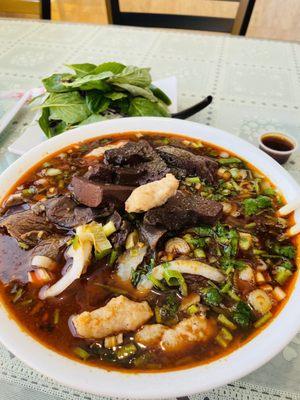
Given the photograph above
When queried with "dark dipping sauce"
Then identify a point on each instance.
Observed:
(245, 243)
(277, 146)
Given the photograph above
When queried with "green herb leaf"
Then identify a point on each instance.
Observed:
(112, 66)
(91, 81)
(92, 119)
(288, 251)
(212, 297)
(44, 122)
(116, 95)
(96, 102)
(136, 91)
(56, 83)
(68, 107)
(252, 206)
(82, 69)
(134, 76)
(242, 314)
(144, 107)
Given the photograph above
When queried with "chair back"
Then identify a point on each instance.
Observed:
(236, 25)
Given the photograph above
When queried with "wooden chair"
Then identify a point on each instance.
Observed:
(26, 7)
(235, 26)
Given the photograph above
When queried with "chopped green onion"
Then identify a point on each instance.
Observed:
(126, 351)
(224, 337)
(81, 353)
(53, 172)
(261, 321)
(18, 295)
(193, 179)
(199, 253)
(113, 257)
(132, 239)
(175, 278)
(197, 145)
(56, 316)
(101, 254)
(229, 160)
(282, 275)
(226, 322)
(250, 225)
(23, 245)
(269, 191)
(157, 283)
(109, 228)
(26, 302)
(233, 295)
(226, 287)
(29, 192)
(193, 309)
(226, 334)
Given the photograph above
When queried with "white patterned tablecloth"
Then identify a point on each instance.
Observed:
(256, 88)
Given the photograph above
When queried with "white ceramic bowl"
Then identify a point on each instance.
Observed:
(169, 384)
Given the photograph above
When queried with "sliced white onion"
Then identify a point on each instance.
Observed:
(81, 256)
(44, 262)
(129, 261)
(192, 267)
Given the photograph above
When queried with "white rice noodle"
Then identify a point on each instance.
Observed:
(81, 257)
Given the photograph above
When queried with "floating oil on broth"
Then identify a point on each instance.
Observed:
(211, 262)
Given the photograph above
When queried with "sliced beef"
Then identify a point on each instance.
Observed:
(204, 167)
(118, 238)
(64, 212)
(131, 153)
(100, 173)
(151, 234)
(51, 247)
(184, 210)
(27, 227)
(116, 219)
(135, 164)
(92, 194)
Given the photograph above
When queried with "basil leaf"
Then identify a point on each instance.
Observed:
(144, 107)
(56, 83)
(92, 119)
(96, 102)
(137, 91)
(91, 81)
(82, 69)
(68, 107)
(114, 67)
(116, 95)
(44, 122)
(133, 76)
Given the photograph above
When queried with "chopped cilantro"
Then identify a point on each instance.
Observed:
(252, 206)
(212, 296)
(242, 314)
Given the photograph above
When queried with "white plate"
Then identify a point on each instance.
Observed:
(169, 384)
(33, 135)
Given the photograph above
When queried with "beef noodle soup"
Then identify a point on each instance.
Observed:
(144, 252)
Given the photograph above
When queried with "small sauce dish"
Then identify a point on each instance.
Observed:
(278, 145)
